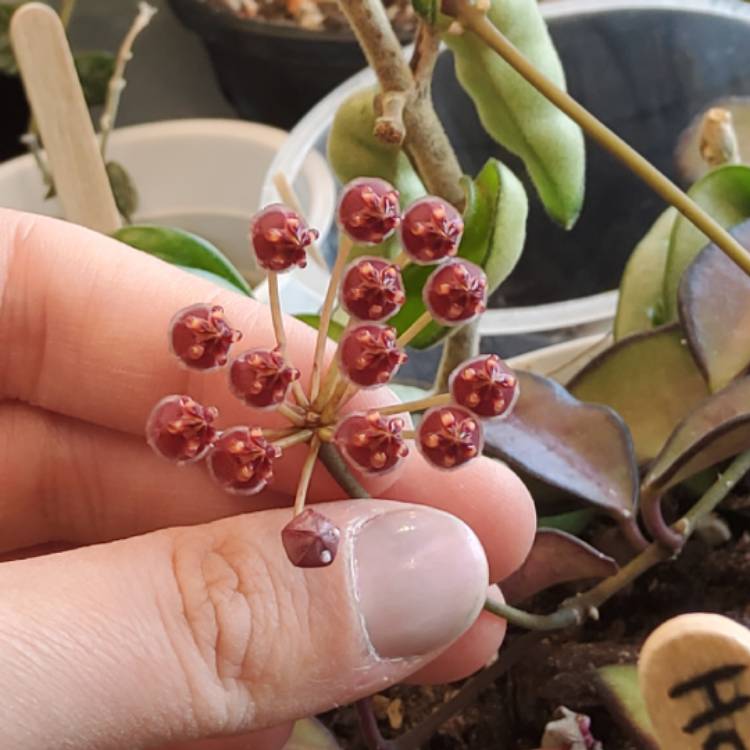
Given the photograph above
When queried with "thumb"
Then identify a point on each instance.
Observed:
(199, 631)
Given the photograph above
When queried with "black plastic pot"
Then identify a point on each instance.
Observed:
(15, 116)
(272, 73)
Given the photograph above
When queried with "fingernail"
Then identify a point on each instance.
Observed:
(421, 578)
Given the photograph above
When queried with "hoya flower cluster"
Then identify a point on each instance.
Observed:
(370, 290)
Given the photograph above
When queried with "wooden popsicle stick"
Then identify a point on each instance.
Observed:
(694, 674)
(54, 92)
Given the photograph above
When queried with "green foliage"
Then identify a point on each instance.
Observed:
(516, 115)
(7, 59)
(123, 189)
(495, 231)
(185, 250)
(334, 329)
(94, 69)
(725, 194)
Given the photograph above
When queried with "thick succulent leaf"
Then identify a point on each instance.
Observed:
(581, 448)
(312, 319)
(310, 734)
(639, 304)
(556, 557)
(650, 379)
(618, 688)
(7, 59)
(725, 194)
(94, 69)
(573, 522)
(715, 312)
(494, 234)
(717, 429)
(515, 114)
(123, 189)
(183, 249)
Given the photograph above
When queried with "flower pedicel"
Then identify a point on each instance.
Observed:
(241, 458)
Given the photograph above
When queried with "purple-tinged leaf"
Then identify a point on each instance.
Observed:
(717, 429)
(714, 302)
(580, 448)
(618, 688)
(556, 557)
(650, 379)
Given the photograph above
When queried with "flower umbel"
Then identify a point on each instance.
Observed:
(241, 458)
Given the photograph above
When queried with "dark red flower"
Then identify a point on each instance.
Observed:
(372, 289)
(242, 460)
(369, 355)
(449, 436)
(181, 429)
(201, 336)
(485, 385)
(311, 540)
(456, 292)
(369, 210)
(279, 237)
(431, 230)
(372, 443)
(261, 377)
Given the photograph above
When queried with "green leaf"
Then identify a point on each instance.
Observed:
(123, 189)
(639, 304)
(408, 392)
(515, 114)
(574, 522)
(555, 557)
(714, 304)
(618, 687)
(184, 249)
(718, 428)
(94, 68)
(7, 59)
(313, 320)
(650, 379)
(494, 234)
(310, 734)
(725, 194)
(581, 448)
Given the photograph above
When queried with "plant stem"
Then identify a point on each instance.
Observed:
(288, 411)
(415, 328)
(461, 345)
(66, 11)
(117, 81)
(299, 436)
(345, 246)
(338, 469)
(289, 197)
(425, 140)
(476, 21)
(421, 404)
(369, 727)
(576, 610)
(306, 475)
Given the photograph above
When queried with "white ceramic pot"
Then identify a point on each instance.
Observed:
(204, 176)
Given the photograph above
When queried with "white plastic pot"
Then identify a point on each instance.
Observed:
(204, 176)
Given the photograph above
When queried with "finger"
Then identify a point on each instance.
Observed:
(208, 630)
(274, 738)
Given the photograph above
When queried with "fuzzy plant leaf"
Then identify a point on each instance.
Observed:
(556, 557)
(580, 448)
(313, 320)
(515, 114)
(123, 189)
(725, 194)
(617, 685)
(650, 379)
(94, 68)
(639, 304)
(714, 303)
(717, 429)
(494, 235)
(183, 249)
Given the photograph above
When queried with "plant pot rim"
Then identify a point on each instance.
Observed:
(533, 318)
(226, 21)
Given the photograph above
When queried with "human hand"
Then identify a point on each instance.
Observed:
(174, 617)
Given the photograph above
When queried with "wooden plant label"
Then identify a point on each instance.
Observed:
(694, 674)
